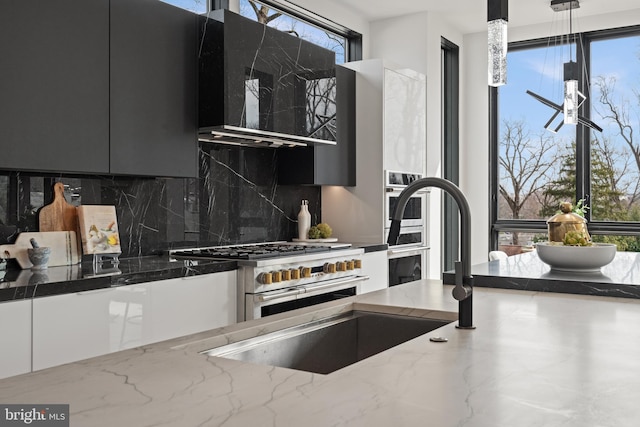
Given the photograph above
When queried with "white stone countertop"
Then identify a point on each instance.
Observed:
(535, 359)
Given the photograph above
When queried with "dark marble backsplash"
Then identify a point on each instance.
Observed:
(236, 199)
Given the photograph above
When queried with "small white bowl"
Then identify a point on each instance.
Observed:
(576, 258)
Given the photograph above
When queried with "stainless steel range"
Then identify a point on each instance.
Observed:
(280, 276)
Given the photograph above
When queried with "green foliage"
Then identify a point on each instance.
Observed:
(623, 243)
(581, 207)
(564, 187)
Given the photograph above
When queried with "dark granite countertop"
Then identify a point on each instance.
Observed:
(18, 284)
(22, 284)
(620, 278)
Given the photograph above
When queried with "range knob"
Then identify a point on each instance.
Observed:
(277, 276)
(357, 263)
(342, 266)
(329, 267)
(350, 265)
(286, 275)
(295, 274)
(265, 278)
(305, 271)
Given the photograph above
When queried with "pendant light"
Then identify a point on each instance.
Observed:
(573, 98)
(497, 18)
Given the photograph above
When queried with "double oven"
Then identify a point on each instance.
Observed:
(407, 259)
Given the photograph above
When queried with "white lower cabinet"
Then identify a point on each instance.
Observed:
(15, 336)
(72, 327)
(376, 266)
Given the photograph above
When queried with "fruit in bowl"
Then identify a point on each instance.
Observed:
(576, 238)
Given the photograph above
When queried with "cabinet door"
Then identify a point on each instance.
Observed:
(405, 121)
(188, 305)
(153, 75)
(72, 327)
(15, 336)
(376, 266)
(333, 164)
(54, 85)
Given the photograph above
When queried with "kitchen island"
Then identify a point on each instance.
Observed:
(535, 359)
(619, 278)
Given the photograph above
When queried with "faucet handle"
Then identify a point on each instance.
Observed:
(460, 291)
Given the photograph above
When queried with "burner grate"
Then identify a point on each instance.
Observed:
(251, 252)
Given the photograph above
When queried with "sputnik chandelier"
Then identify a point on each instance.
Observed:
(573, 98)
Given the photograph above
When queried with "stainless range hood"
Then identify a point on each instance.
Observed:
(261, 87)
(233, 135)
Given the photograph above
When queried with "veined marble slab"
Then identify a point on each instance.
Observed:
(535, 359)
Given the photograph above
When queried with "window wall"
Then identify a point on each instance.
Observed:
(299, 22)
(539, 162)
(195, 6)
(344, 42)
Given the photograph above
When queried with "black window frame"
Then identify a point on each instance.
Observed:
(450, 99)
(353, 38)
(583, 147)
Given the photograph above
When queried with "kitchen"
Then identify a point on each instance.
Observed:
(149, 229)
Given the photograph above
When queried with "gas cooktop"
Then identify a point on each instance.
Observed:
(251, 251)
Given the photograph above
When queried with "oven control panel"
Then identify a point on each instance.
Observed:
(270, 278)
(313, 273)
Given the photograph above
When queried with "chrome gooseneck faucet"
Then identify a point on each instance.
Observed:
(463, 280)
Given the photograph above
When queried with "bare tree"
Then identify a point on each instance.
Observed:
(621, 113)
(262, 13)
(525, 164)
(617, 112)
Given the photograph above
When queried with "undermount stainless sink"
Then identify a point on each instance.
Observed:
(326, 345)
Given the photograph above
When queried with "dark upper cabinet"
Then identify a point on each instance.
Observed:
(153, 76)
(257, 77)
(332, 164)
(54, 85)
(105, 86)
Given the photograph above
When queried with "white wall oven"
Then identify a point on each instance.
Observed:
(407, 259)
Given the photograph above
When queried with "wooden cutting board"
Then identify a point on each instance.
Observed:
(59, 215)
(63, 244)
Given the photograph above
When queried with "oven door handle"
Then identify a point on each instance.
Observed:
(278, 295)
(293, 292)
(406, 250)
(335, 285)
